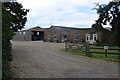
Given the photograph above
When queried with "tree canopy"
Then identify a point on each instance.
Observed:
(109, 13)
(17, 14)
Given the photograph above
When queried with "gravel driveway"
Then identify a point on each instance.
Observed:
(35, 59)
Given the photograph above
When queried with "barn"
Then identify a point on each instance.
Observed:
(61, 33)
(32, 34)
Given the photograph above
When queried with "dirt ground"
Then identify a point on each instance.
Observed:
(35, 59)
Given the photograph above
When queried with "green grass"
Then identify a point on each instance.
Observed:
(110, 47)
(99, 50)
(110, 57)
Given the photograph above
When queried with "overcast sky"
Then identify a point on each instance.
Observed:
(69, 13)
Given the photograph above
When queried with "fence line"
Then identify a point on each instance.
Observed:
(85, 48)
(106, 50)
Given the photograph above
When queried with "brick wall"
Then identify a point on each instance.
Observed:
(71, 33)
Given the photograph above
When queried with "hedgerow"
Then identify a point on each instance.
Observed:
(13, 19)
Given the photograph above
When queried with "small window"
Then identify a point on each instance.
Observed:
(87, 37)
(48, 36)
(38, 33)
(20, 33)
(91, 36)
(95, 37)
(55, 37)
(77, 37)
(65, 36)
(23, 32)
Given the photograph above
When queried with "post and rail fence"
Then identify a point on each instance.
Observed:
(88, 49)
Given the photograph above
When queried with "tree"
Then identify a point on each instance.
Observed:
(109, 13)
(17, 14)
(13, 19)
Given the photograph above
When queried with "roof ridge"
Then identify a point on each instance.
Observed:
(70, 27)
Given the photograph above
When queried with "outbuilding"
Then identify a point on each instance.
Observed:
(33, 34)
(61, 34)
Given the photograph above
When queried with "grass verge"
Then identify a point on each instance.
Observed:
(110, 57)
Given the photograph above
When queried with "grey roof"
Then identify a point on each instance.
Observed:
(63, 27)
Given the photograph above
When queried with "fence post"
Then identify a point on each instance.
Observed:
(105, 53)
(105, 48)
(66, 45)
(87, 49)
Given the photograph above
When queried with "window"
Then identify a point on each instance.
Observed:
(38, 33)
(23, 32)
(87, 37)
(55, 37)
(95, 37)
(65, 37)
(48, 36)
(92, 37)
(77, 37)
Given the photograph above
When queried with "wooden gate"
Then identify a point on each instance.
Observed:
(76, 47)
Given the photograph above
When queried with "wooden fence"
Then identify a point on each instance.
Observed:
(106, 49)
(76, 47)
(86, 48)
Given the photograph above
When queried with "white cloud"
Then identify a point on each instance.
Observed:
(60, 12)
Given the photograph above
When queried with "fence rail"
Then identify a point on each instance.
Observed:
(103, 48)
(106, 53)
(85, 48)
(107, 49)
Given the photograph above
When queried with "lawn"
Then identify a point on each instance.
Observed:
(99, 50)
(110, 57)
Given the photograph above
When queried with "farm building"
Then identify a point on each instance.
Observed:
(60, 34)
(33, 34)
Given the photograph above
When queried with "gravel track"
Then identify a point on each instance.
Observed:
(35, 59)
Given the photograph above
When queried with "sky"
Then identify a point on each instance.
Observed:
(69, 13)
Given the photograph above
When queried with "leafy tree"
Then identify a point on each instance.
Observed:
(109, 13)
(13, 19)
(17, 14)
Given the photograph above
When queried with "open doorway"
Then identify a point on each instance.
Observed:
(37, 35)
